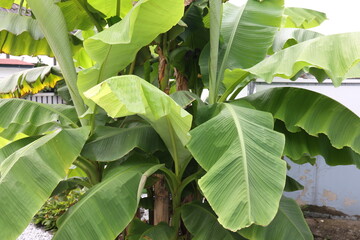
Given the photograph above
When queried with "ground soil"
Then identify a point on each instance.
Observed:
(329, 224)
(334, 229)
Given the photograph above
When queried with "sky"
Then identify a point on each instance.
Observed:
(343, 16)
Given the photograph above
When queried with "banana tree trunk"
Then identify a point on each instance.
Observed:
(161, 204)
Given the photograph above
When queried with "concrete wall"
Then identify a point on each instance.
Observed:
(337, 187)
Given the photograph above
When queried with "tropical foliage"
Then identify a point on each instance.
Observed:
(136, 73)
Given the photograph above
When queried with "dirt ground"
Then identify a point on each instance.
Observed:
(328, 224)
(334, 229)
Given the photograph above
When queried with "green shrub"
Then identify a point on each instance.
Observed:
(55, 207)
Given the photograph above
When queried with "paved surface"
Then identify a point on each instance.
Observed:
(34, 233)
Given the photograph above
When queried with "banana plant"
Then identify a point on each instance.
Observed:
(139, 131)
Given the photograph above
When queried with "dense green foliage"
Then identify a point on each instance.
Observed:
(54, 208)
(135, 123)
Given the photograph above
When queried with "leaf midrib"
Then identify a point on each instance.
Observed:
(229, 44)
(243, 150)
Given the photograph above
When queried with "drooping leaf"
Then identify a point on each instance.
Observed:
(195, 35)
(302, 148)
(302, 18)
(129, 95)
(184, 98)
(79, 15)
(53, 25)
(76, 172)
(22, 35)
(287, 37)
(202, 223)
(12, 147)
(317, 54)
(109, 9)
(82, 59)
(136, 229)
(232, 80)
(30, 81)
(17, 24)
(67, 185)
(3, 142)
(160, 231)
(313, 112)
(29, 175)
(139, 230)
(145, 21)
(6, 3)
(107, 208)
(245, 173)
(292, 185)
(110, 144)
(32, 118)
(289, 223)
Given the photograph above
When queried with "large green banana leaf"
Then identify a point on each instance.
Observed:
(3, 142)
(53, 25)
(245, 173)
(78, 13)
(12, 147)
(129, 95)
(287, 37)
(301, 147)
(336, 55)
(32, 118)
(110, 144)
(29, 81)
(21, 35)
(194, 35)
(289, 223)
(139, 230)
(79, 16)
(136, 228)
(8, 3)
(108, 207)
(292, 185)
(109, 7)
(161, 231)
(302, 18)
(248, 33)
(202, 223)
(29, 175)
(17, 24)
(185, 98)
(141, 25)
(313, 112)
